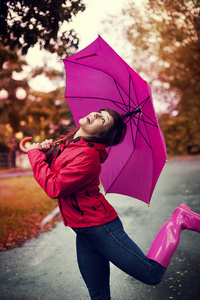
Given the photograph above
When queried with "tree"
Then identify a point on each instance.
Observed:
(37, 114)
(13, 96)
(25, 23)
(167, 33)
(45, 115)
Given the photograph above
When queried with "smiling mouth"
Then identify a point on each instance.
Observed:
(89, 120)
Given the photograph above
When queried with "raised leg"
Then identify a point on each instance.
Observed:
(167, 239)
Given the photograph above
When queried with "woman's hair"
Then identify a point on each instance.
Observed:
(116, 133)
(113, 136)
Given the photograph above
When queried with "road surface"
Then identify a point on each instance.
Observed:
(46, 267)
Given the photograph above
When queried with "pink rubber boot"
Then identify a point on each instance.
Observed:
(167, 239)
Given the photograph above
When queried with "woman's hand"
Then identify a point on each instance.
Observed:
(46, 146)
(34, 146)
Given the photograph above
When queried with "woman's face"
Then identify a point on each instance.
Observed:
(95, 123)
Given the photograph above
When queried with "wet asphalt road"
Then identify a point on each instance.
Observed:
(46, 268)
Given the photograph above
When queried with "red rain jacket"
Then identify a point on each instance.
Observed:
(72, 176)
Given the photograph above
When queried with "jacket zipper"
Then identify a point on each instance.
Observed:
(61, 211)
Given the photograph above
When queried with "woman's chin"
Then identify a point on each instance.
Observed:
(82, 121)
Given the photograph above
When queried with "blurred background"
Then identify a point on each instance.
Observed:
(159, 39)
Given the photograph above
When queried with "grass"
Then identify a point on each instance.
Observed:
(23, 205)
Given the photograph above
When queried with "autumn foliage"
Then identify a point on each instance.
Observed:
(23, 205)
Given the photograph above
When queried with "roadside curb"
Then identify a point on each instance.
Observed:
(50, 216)
(12, 174)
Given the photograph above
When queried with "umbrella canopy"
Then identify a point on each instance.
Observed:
(96, 78)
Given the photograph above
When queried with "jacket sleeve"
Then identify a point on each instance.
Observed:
(76, 174)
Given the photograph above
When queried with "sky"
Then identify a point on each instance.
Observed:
(88, 25)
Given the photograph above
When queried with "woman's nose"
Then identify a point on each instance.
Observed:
(96, 115)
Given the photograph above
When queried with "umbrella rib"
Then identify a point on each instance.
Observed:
(129, 92)
(143, 104)
(147, 133)
(153, 123)
(131, 123)
(86, 56)
(138, 130)
(131, 80)
(119, 92)
(119, 173)
(134, 140)
(98, 98)
(145, 121)
(76, 63)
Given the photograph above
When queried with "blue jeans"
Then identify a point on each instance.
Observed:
(99, 245)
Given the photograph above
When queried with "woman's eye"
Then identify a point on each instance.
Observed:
(103, 120)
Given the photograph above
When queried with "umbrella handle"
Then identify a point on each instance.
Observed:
(21, 144)
(28, 139)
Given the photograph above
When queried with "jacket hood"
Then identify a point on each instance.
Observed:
(102, 151)
(80, 142)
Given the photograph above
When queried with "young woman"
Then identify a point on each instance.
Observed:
(72, 176)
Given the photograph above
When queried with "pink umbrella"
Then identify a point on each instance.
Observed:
(97, 77)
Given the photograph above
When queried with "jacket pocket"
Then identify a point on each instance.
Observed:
(103, 206)
(76, 205)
